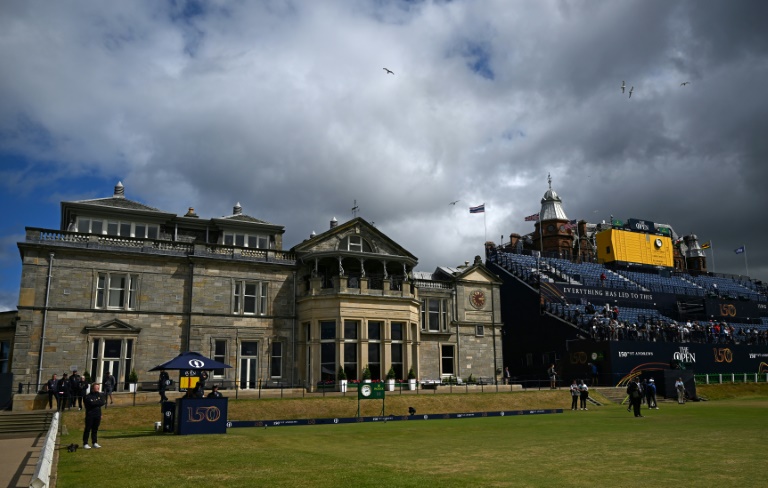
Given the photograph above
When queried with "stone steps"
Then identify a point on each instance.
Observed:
(25, 422)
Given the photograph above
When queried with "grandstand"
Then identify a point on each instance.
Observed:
(567, 300)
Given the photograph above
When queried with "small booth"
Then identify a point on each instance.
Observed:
(193, 414)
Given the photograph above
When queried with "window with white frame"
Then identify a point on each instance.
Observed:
(434, 314)
(113, 355)
(140, 230)
(5, 353)
(447, 356)
(258, 241)
(220, 355)
(396, 348)
(250, 298)
(374, 348)
(355, 243)
(116, 291)
(328, 350)
(276, 360)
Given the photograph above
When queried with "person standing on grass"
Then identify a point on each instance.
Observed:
(162, 385)
(62, 389)
(583, 394)
(574, 395)
(109, 383)
(650, 394)
(552, 373)
(635, 396)
(93, 403)
(680, 387)
(51, 387)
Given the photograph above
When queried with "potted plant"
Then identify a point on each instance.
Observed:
(391, 379)
(411, 379)
(366, 374)
(133, 380)
(342, 380)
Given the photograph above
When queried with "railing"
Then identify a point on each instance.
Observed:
(721, 378)
(76, 239)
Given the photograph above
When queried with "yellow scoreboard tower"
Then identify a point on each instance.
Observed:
(634, 247)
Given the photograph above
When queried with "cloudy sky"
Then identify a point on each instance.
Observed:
(284, 106)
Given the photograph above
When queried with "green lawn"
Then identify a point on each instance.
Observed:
(715, 443)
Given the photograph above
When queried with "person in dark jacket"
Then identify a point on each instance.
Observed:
(51, 387)
(74, 389)
(64, 392)
(162, 384)
(109, 383)
(215, 393)
(93, 403)
(635, 396)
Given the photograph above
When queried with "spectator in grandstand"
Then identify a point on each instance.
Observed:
(650, 394)
(680, 388)
(552, 373)
(574, 395)
(583, 394)
(602, 279)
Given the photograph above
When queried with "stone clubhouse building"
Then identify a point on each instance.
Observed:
(122, 286)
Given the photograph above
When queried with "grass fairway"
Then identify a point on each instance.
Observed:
(715, 443)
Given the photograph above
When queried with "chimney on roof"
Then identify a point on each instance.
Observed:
(237, 209)
(191, 212)
(334, 222)
(119, 190)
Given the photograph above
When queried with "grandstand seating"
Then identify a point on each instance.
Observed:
(729, 287)
(662, 284)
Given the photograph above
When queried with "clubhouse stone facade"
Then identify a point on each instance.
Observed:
(123, 286)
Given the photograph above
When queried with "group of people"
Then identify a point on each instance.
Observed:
(71, 389)
(606, 327)
(641, 392)
(579, 395)
(198, 391)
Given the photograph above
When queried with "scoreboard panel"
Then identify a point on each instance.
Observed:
(634, 247)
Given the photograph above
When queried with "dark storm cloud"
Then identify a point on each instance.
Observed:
(284, 107)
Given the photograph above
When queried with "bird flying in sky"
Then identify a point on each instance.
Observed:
(630, 91)
(389, 71)
(454, 202)
(623, 85)
(685, 83)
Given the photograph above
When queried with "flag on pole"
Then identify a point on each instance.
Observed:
(706, 245)
(478, 209)
(570, 225)
(532, 218)
(740, 250)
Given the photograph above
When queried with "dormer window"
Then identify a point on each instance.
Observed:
(246, 240)
(355, 244)
(117, 228)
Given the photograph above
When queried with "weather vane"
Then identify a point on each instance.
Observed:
(355, 209)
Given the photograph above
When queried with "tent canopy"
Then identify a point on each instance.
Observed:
(190, 360)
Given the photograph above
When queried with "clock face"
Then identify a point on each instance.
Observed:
(477, 299)
(562, 228)
(658, 242)
(550, 228)
(366, 390)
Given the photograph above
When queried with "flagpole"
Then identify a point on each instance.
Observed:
(745, 260)
(485, 226)
(713, 255)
